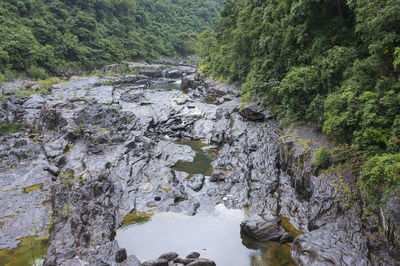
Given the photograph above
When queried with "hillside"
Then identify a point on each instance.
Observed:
(333, 65)
(60, 35)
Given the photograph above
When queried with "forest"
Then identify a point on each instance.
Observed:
(41, 37)
(330, 64)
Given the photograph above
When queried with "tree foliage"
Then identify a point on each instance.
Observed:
(334, 64)
(56, 35)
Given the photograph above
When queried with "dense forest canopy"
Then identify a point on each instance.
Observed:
(333, 64)
(84, 34)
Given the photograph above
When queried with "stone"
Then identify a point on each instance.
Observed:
(121, 255)
(253, 112)
(173, 74)
(183, 261)
(182, 99)
(170, 256)
(196, 182)
(52, 169)
(193, 255)
(262, 228)
(159, 262)
(202, 262)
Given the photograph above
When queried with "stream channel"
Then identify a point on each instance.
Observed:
(215, 234)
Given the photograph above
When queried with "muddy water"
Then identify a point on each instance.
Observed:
(215, 235)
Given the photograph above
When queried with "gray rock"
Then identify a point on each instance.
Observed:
(193, 255)
(253, 112)
(183, 261)
(390, 215)
(159, 262)
(121, 255)
(170, 256)
(202, 262)
(262, 228)
(196, 182)
(173, 74)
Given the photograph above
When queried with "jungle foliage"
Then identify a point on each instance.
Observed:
(333, 64)
(53, 36)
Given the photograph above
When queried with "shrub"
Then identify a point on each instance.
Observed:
(48, 83)
(322, 158)
(380, 176)
(36, 73)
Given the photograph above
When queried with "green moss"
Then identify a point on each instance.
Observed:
(9, 128)
(28, 251)
(33, 188)
(136, 218)
(293, 231)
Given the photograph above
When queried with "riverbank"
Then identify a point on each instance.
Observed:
(92, 151)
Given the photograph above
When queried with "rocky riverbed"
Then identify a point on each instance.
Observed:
(93, 152)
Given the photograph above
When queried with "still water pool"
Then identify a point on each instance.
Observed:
(215, 235)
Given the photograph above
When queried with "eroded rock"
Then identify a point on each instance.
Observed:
(262, 228)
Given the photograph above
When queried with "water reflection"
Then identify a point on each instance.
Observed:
(202, 161)
(214, 235)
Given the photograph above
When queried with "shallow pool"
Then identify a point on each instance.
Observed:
(215, 235)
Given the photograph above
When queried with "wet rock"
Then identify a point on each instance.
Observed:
(121, 255)
(170, 256)
(193, 255)
(262, 228)
(202, 262)
(196, 182)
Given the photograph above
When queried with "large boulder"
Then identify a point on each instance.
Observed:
(170, 256)
(254, 112)
(262, 228)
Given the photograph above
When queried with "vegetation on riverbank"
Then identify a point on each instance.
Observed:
(332, 64)
(41, 37)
